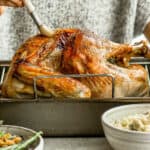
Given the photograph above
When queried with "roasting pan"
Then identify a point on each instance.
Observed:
(62, 117)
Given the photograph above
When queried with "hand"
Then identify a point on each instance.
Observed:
(1, 9)
(10, 3)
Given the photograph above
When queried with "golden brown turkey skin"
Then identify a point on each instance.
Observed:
(89, 54)
(34, 59)
(72, 51)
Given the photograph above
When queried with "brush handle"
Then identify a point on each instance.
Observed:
(32, 12)
(42, 28)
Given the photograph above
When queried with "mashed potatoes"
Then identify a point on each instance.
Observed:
(137, 122)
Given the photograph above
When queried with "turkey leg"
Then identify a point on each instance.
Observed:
(122, 55)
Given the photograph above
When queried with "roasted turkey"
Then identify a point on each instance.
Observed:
(72, 51)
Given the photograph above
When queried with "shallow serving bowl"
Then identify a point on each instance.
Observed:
(25, 133)
(121, 139)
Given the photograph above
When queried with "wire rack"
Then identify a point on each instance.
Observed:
(4, 65)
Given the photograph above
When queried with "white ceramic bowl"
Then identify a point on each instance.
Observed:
(121, 139)
(25, 133)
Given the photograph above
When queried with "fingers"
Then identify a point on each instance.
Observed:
(11, 3)
(17, 3)
(1, 10)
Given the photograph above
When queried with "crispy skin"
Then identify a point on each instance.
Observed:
(72, 51)
(36, 58)
(89, 54)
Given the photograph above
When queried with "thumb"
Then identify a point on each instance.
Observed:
(11, 3)
(1, 10)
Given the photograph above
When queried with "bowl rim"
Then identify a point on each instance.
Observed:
(41, 141)
(123, 130)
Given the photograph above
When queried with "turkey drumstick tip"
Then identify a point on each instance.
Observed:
(141, 49)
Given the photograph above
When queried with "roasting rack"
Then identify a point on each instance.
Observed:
(74, 76)
(4, 65)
